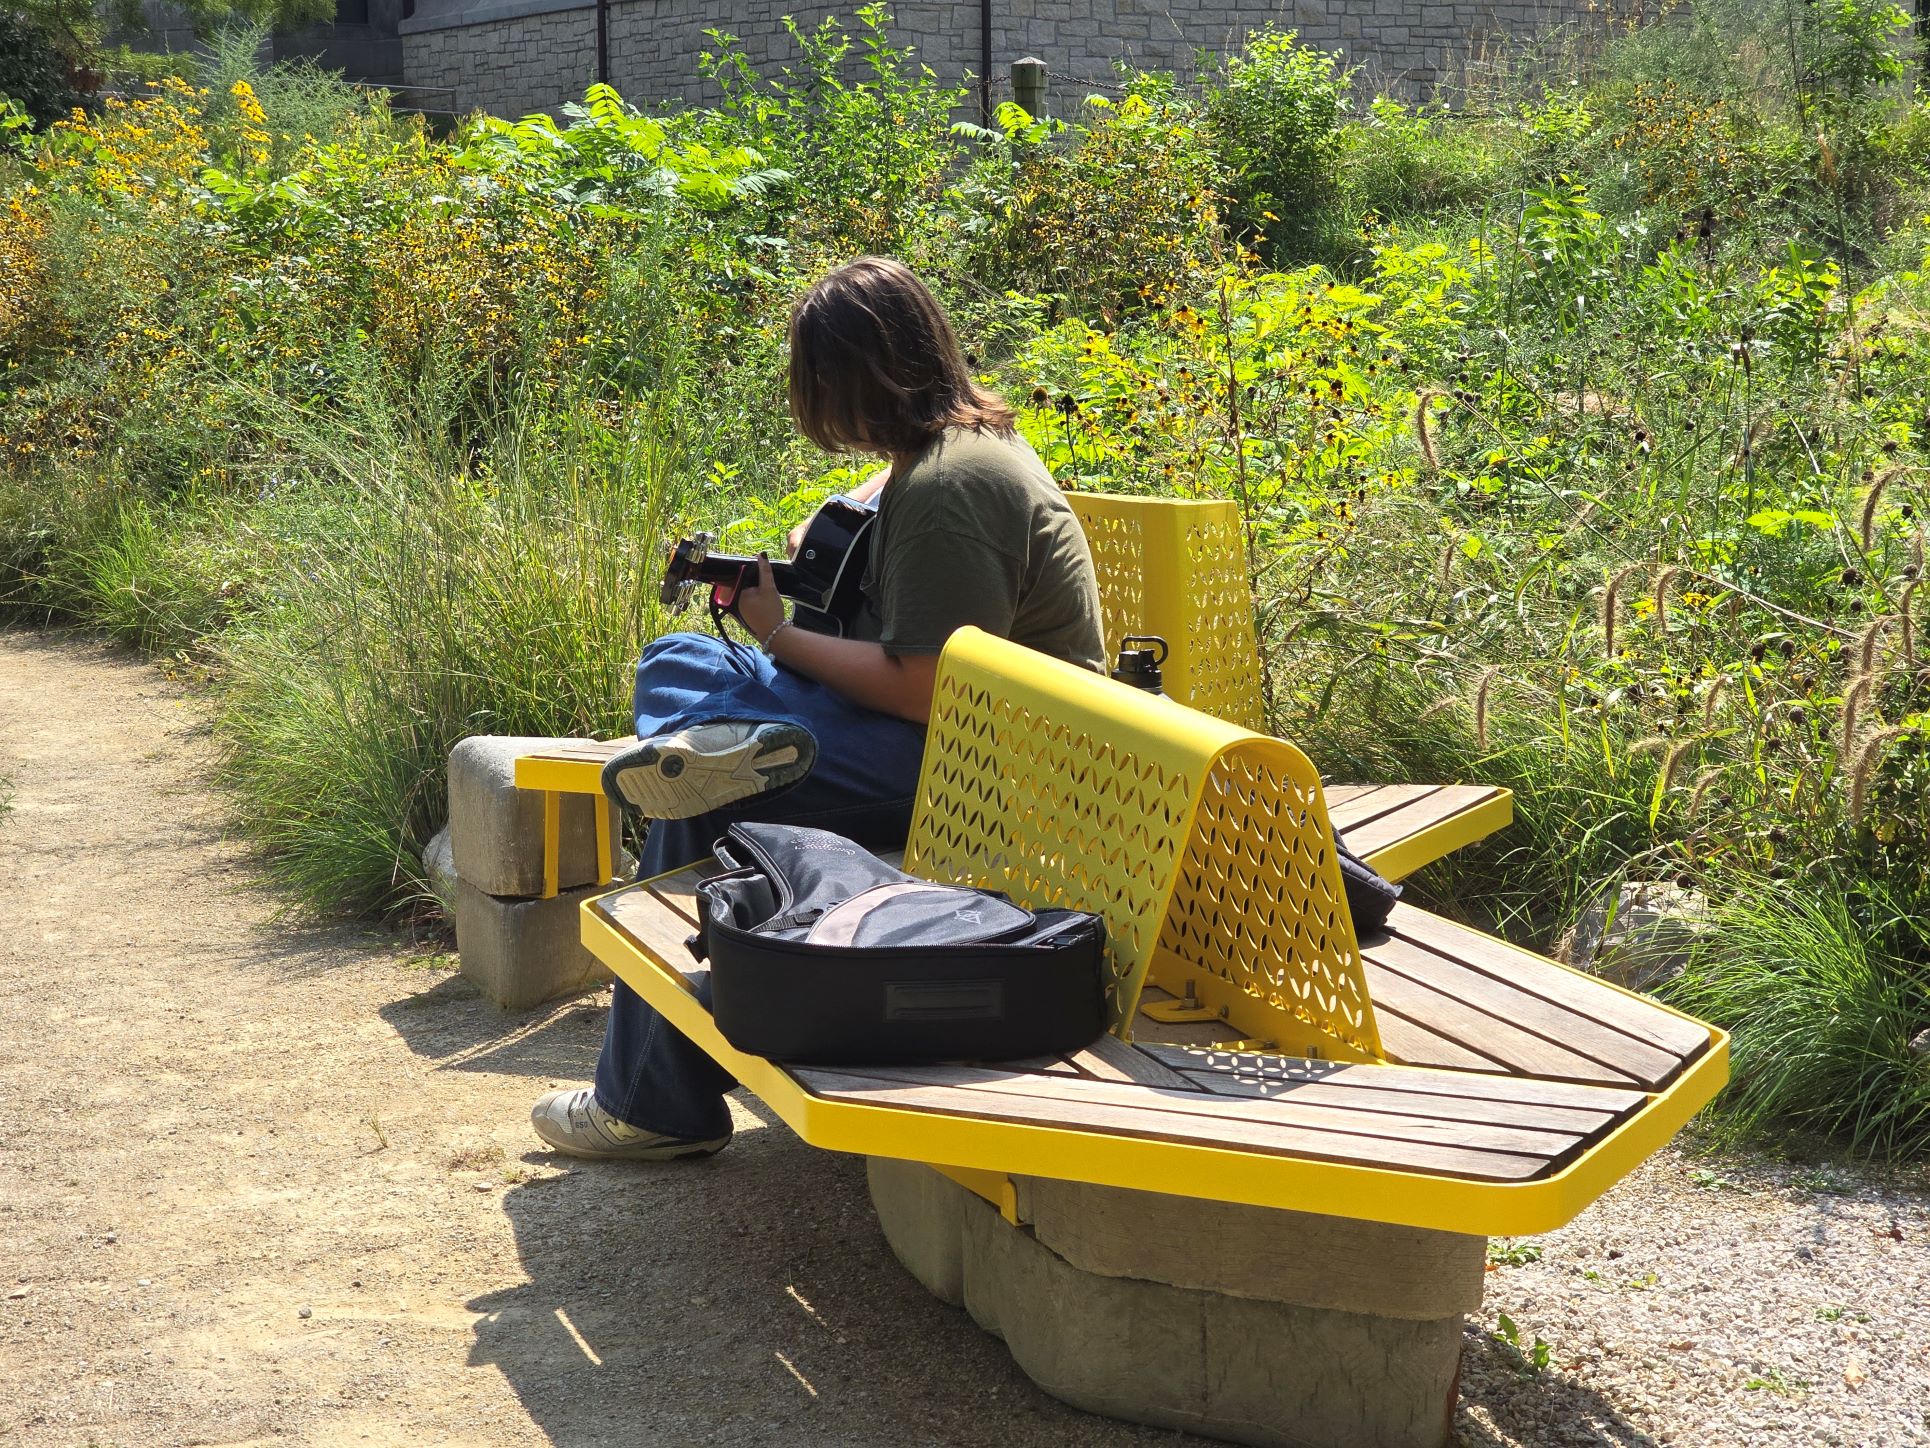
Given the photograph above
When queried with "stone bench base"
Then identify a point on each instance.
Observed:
(1243, 1323)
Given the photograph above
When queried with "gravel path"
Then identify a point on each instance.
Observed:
(263, 1183)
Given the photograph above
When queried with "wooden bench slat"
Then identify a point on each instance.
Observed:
(1414, 1044)
(1475, 1030)
(679, 891)
(1410, 1103)
(1191, 1102)
(1387, 799)
(1436, 807)
(1518, 1010)
(1266, 1066)
(1339, 794)
(1684, 1038)
(1114, 1120)
(659, 930)
(582, 751)
(1051, 1065)
(1111, 1059)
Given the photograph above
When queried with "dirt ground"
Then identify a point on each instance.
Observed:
(266, 1182)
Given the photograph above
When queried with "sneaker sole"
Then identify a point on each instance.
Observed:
(669, 1152)
(675, 782)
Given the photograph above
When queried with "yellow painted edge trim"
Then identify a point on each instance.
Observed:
(561, 776)
(605, 866)
(552, 841)
(1437, 842)
(1214, 1174)
(995, 1186)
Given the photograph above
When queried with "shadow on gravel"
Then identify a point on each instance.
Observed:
(1546, 1408)
(747, 1299)
(450, 1024)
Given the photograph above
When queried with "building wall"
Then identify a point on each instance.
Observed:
(500, 57)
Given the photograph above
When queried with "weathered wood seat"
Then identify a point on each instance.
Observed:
(1393, 1100)
(1470, 1093)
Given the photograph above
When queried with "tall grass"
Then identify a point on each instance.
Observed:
(1827, 991)
(419, 604)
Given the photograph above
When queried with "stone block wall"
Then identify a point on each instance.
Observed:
(515, 56)
(505, 58)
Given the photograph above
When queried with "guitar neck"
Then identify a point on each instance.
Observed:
(730, 567)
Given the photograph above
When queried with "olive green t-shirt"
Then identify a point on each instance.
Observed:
(976, 532)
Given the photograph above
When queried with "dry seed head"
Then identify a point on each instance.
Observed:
(1701, 787)
(1854, 699)
(1662, 582)
(1907, 624)
(1424, 426)
(1611, 604)
(1870, 640)
(1654, 744)
(1713, 699)
(1481, 705)
(1874, 500)
(1672, 761)
(1867, 759)
(1757, 431)
(1447, 565)
(1441, 705)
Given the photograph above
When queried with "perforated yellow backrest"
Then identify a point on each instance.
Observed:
(1176, 567)
(1205, 846)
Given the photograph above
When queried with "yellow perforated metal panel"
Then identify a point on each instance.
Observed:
(1177, 568)
(1187, 833)
(1258, 925)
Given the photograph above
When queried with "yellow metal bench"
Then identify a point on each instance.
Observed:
(1480, 1088)
(1260, 1056)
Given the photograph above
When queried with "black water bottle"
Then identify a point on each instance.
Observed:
(1140, 666)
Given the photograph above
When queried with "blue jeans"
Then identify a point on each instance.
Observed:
(650, 1074)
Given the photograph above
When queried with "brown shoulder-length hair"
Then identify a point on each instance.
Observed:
(876, 368)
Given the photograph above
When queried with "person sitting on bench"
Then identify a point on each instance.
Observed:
(823, 730)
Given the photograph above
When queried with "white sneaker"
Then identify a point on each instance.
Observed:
(575, 1125)
(707, 766)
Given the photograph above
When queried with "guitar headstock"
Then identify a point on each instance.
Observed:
(680, 574)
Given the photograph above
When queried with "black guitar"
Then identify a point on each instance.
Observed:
(822, 581)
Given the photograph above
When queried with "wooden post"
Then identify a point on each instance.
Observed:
(1028, 86)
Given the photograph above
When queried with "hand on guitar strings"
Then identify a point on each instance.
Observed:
(758, 603)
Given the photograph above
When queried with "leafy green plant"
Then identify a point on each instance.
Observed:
(1772, 1379)
(1530, 1358)
(865, 155)
(1275, 112)
(1513, 1254)
(1708, 1180)
(34, 70)
(1122, 211)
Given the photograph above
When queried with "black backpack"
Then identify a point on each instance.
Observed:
(820, 952)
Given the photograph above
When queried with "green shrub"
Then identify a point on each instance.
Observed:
(1105, 215)
(861, 157)
(34, 70)
(1401, 165)
(1275, 112)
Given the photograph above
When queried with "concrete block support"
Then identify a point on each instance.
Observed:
(520, 953)
(1265, 1327)
(497, 829)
